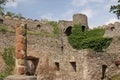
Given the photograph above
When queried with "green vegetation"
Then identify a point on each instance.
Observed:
(90, 39)
(2, 5)
(7, 56)
(55, 26)
(4, 29)
(11, 14)
(55, 32)
(115, 9)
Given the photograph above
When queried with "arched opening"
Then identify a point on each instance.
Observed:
(83, 28)
(38, 26)
(68, 31)
(112, 28)
(32, 63)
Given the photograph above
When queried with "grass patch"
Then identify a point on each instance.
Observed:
(4, 30)
(55, 27)
(7, 56)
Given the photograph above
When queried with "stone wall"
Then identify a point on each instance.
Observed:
(112, 30)
(80, 19)
(39, 26)
(57, 60)
(67, 64)
(63, 25)
(33, 25)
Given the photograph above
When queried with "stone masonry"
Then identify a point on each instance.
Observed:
(21, 67)
(21, 49)
(57, 60)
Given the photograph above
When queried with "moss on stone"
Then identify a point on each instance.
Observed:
(116, 77)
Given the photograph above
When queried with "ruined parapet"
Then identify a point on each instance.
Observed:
(21, 49)
(112, 30)
(66, 26)
(63, 25)
(34, 25)
(80, 19)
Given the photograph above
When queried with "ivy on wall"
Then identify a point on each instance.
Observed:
(7, 56)
(55, 27)
(89, 39)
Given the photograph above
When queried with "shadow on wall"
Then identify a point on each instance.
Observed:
(104, 67)
(68, 30)
(38, 26)
(32, 63)
(83, 28)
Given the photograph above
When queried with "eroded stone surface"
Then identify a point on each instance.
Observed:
(21, 49)
(71, 64)
(21, 77)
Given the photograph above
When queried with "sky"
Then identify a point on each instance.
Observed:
(97, 11)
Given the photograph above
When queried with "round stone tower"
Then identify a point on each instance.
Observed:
(80, 19)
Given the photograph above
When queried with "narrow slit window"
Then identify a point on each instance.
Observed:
(57, 66)
(73, 64)
(104, 67)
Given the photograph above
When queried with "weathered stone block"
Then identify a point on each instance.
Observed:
(21, 70)
(20, 61)
(20, 39)
(20, 46)
(19, 31)
(21, 77)
(20, 54)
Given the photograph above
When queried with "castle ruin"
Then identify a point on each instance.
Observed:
(55, 59)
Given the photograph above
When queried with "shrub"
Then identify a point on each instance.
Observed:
(3, 29)
(55, 26)
(7, 56)
(96, 43)
(90, 39)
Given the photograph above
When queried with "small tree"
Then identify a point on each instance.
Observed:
(115, 9)
(2, 4)
(19, 15)
(7, 56)
(10, 14)
(90, 39)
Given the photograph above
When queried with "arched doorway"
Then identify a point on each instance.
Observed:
(38, 26)
(68, 30)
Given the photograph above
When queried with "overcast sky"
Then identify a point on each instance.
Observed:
(96, 10)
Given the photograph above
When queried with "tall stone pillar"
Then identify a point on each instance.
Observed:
(21, 55)
(21, 49)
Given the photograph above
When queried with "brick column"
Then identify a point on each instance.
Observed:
(21, 49)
